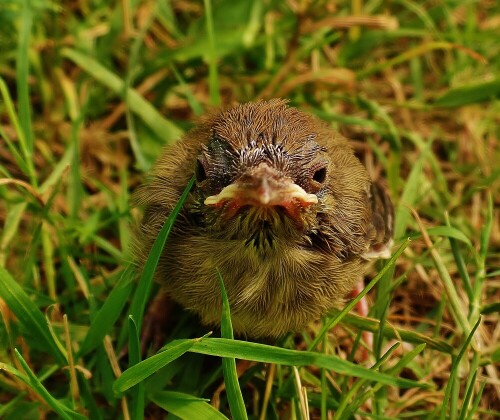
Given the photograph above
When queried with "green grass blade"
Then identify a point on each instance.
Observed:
(453, 298)
(109, 313)
(186, 406)
(468, 395)
(34, 383)
(377, 110)
(454, 369)
(475, 403)
(27, 162)
(22, 75)
(75, 187)
(137, 373)
(142, 293)
(477, 286)
(141, 161)
(329, 325)
(469, 94)
(12, 149)
(268, 354)
(29, 315)
(234, 396)
(410, 194)
(164, 129)
(10, 229)
(194, 104)
(490, 308)
(407, 55)
(459, 261)
(59, 170)
(348, 398)
(407, 358)
(213, 77)
(410, 336)
(372, 389)
(446, 231)
(93, 411)
(134, 357)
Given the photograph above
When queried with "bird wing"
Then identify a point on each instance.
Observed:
(382, 222)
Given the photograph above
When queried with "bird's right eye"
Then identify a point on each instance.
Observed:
(320, 175)
(199, 172)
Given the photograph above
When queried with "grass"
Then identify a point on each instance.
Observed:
(90, 93)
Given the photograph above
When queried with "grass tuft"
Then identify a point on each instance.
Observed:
(90, 93)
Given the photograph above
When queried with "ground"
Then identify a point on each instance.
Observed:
(90, 93)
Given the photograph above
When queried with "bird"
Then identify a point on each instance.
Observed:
(281, 209)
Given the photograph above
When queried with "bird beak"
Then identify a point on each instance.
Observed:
(263, 186)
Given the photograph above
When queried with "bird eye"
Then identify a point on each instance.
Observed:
(199, 172)
(320, 175)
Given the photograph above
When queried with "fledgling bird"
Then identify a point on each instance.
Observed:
(281, 208)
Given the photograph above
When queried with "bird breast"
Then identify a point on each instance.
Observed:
(268, 296)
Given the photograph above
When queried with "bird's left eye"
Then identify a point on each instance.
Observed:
(199, 172)
(320, 175)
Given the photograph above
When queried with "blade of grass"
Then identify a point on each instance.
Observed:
(459, 261)
(93, 411)
(29, 315)
(22, 75)
(59, 170)
(329, 325)
(33, 382)
(469, 94)
(234, 396)
(10, 228)
(373, 325)
(48, 260)
(194, 104)
(421, 12)
(73, 383)
(123, 204)
(371, 390)
(164, 129)
(268, 354)
(477, 286)
(137, 373)
(109, 313)
(75, 188)
(415, 52)
(186, 406)
(410, 194)
(447, 231)
(134, 357)
(26, 153)
(454, 299)
(454, 369)
(383, 297)
(476, 402)
(141, 161)
(417, 77)
(213, 77)
(348, 398)
(468, 395)
(142, 292)
(13, 151)
(374, 108)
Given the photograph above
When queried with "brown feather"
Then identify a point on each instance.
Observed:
(279, 274)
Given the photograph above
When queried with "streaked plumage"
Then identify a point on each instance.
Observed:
(281, 207)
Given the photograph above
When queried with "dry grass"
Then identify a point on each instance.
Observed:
(414, 85)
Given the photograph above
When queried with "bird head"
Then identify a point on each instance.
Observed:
(263, 173)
